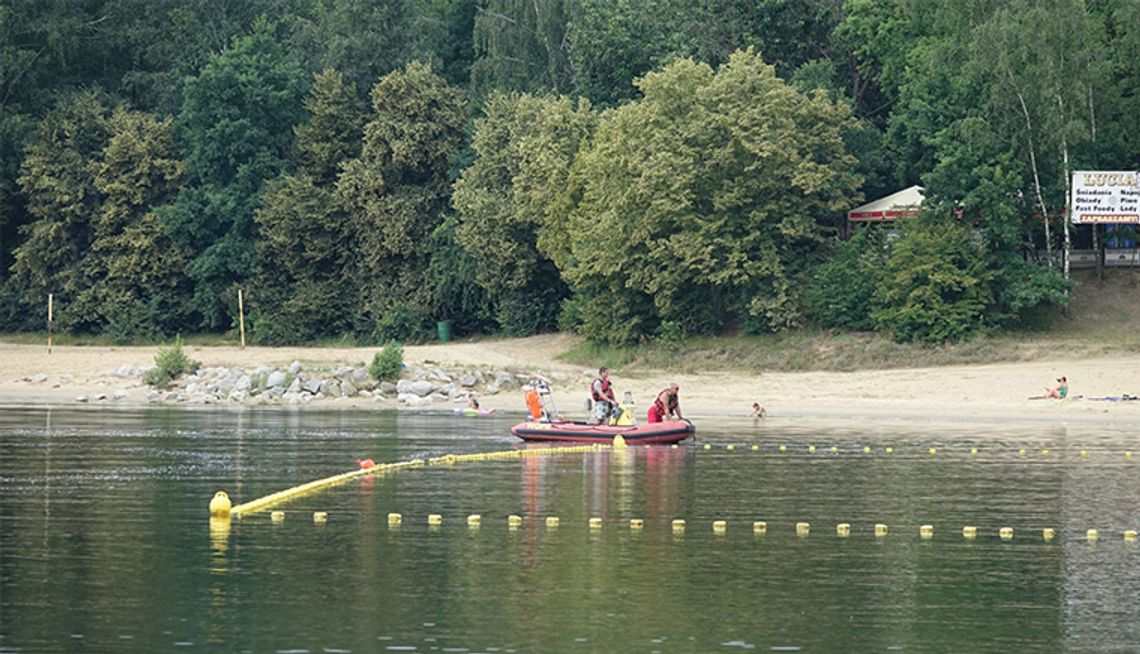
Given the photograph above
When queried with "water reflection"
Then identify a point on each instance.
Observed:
(105, 535)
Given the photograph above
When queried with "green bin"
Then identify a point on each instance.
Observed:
(443, 328)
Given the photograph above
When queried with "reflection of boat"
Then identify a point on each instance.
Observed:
(468, 411)
(653, 432)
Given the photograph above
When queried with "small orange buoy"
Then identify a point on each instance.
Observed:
(366, 464)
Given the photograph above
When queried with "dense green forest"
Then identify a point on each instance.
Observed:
(627, 169)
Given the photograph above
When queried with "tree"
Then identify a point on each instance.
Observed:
(524, 147)
(58, 182)
(396, 191)
(704, 199)
(235, 129)
(935, 285)
(137, 285)
(520, 45)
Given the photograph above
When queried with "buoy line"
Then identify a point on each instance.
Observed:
(792, 448)
(222, 507)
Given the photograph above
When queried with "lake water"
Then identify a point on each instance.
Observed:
(106, 546)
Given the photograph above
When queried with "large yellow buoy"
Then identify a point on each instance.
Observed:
(220, 505)
(881, 529)
(619, 441)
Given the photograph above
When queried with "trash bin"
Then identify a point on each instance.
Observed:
(443, 328)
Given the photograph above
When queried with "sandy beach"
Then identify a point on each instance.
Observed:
(996, 393)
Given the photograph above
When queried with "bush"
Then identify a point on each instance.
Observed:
(387, 363)
(169, 364)
(935, 286)
(841, 290)
(404, 322)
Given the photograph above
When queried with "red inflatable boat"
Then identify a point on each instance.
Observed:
(580, 432)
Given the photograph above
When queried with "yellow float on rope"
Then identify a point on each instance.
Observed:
(220, 505)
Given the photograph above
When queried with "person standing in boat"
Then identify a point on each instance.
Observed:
(602, 392)
(666, 406)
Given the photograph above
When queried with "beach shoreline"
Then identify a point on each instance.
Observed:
(952, 395)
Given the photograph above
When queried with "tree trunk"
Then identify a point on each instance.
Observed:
(1098, 250)
(1037, 183)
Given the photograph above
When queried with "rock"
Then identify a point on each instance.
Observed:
(365, 393)
(295, 387)
(224, 386)
(312, 387)
(359, 377)
(81, 398)
(388, 388)
(125, 371)
(505, 380)
(490, 389)
(238, 396)
(40, 378)
(294, 368)
(422, 388)
(347, 389)
(172, 396)
(243, 383)
(291, 397)
(448, 390)
(440, 376)
(402, 386)
(437, 397)
(275, 392)
(119, 394)
(99, 397)
(276, 379)
(468, 381)
(331, 388)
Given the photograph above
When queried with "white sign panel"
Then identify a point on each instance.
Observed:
(1106, 197)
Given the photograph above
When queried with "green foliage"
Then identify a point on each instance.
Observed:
(387, 363)
(452, 275)
(841, 290)
(935, 287)
(404, 322)
(169, 364)
(520, 45)
(716, 185)
(235, 127)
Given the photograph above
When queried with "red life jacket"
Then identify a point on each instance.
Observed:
(663, 410)
(607, 393)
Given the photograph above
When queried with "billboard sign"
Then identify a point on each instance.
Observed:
(1105, 197)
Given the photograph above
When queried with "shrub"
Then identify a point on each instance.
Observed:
(387, 363)
(404, 322)
(841, 290)
(169, 364)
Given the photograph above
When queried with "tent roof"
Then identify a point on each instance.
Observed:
(896, 205)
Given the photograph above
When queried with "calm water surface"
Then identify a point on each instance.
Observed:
(105, 544)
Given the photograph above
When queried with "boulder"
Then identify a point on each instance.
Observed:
(40, 378)
(402, 386)
(422, 388)
(490, 389)
(468, 381)
(295, 387)
(294, 368)
(276, 379)
(388, 388)
(312, 387)
(81, 398)
(331, 388)
(359, 377)
(243, 383)
(118, 394)
(347, 389)
(448, 390)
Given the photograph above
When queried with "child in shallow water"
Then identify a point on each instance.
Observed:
(757, 410)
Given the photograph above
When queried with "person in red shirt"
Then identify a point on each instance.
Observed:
(666, 406)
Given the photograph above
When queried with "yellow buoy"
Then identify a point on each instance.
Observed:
(926, 531)
(595, 523)
(843, 530)
(673, 446)
(552, 521)
(834, 449)
(435, 519)
(1021, 452)
(395, 518)
(881, 529)
(783, 448)
(1084, 452)
(1092, 534)
(969, 532)
(933, 451)
(678, 525)
(514, 520)
(708, 447)
(759, 527)
(803, 528)
(866, 450)
(730, 447)
(1044, 452)
(811, 449)
(890, 450)
(1128, 454)
(1006, 533)
(1048, 533)
(474, 520)
(719, 526)
(320, 517)
(636, 523)
(220, 505)
(619, 441)
(1130, 535)
(755, 448)
(277, 516)
(973, 451)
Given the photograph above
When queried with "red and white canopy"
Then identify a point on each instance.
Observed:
(901, 204)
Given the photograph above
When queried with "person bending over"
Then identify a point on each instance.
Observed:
(667, 406)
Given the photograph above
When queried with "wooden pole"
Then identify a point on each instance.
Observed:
(49, 321)
(241, 318)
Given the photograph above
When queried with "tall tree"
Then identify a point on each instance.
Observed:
(235, 128)
(396, 191)
(520, 45)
